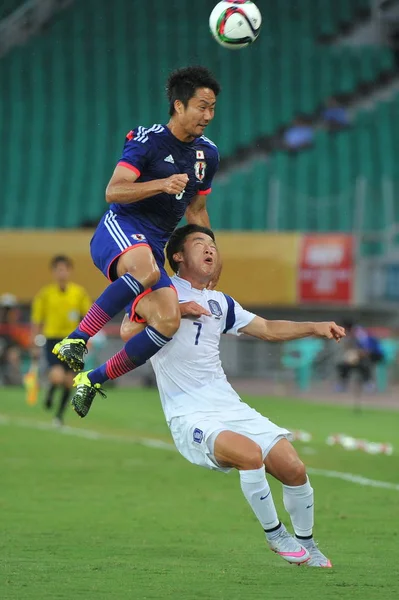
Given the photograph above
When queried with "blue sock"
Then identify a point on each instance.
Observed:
(135, 353)
(113, 299)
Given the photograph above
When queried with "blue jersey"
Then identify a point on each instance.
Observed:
(155, 153)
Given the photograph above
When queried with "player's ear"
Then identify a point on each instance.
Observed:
(178, 257)
(179, 106)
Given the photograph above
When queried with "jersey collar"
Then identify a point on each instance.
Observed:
(184, 144)
(186, 284)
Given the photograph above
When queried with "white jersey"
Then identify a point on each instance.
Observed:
(188, 369)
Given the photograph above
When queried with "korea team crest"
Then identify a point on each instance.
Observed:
(215, 308)
(199, 169)
(198, 435)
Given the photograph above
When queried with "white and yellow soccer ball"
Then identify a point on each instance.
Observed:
(235, 24)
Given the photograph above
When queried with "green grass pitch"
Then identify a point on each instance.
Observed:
(105, 517)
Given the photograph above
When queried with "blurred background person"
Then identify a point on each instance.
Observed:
(334, 115)
(361, 351)
(299, 135)
(298, 201)
(56, 309)
(10, 348)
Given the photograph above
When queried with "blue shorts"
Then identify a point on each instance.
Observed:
(114, 236)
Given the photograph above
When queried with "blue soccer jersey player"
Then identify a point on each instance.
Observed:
(165, 172)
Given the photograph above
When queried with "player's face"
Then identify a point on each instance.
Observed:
(61, 273)
(199, 112)
(200, 257)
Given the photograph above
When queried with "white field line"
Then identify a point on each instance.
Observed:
(90, 434)
(359, 479)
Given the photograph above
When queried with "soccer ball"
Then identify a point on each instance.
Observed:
(235, 23)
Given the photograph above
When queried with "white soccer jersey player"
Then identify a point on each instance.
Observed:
(196, 397)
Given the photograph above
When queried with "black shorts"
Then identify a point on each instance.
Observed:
(51, 359)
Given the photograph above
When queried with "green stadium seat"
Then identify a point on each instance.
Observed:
(300, 356)
(7, 7)
(390, 350)
(99, 69)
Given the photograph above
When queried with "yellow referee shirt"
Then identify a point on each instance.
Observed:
(60, 311)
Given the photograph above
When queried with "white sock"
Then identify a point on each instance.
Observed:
(299, 503)
(257, 491)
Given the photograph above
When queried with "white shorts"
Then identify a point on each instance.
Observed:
(194, 434)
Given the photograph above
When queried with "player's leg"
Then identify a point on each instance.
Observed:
(160, 310)
(55, 380)
(66, 392)
(285, 465)
(232, 449)
(131, 328)
(129, 261)
(364, 368)
(55, 373)
(135, 271)
(343, 371)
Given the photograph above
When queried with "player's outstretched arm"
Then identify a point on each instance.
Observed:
(281, 331)
(123, 188)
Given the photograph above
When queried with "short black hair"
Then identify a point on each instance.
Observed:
(183, 83)
(177, 239)
(61, 258)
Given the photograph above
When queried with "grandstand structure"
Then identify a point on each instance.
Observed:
(71, 92)
(74, 84)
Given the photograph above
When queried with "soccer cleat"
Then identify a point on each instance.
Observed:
(317, 558)
(71, 351)
(85, 393)
(284, 544)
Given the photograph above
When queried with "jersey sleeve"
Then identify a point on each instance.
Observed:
(37, 312)
(236, 317)
(212, 165)
(136, 150)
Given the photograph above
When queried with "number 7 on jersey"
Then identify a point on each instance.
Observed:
(199, 325)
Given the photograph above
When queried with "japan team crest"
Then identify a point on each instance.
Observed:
(199, 169)
(139, 237)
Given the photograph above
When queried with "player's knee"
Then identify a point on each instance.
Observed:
(295, 473)
(152, 278)
(125, 332)
(129, 329)
(168, 323)
(147, 278)
(68, 383)
(253, 458)
(57, 375)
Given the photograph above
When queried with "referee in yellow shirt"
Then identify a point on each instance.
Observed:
(57, 309)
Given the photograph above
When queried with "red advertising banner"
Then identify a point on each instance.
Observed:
(326, 269)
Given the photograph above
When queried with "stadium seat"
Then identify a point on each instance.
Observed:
(318, 189)
(9, 6)
(82, 93)
(390, 349)
(300, 355)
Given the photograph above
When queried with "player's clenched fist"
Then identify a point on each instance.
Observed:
(175, 184)
(329, 330)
